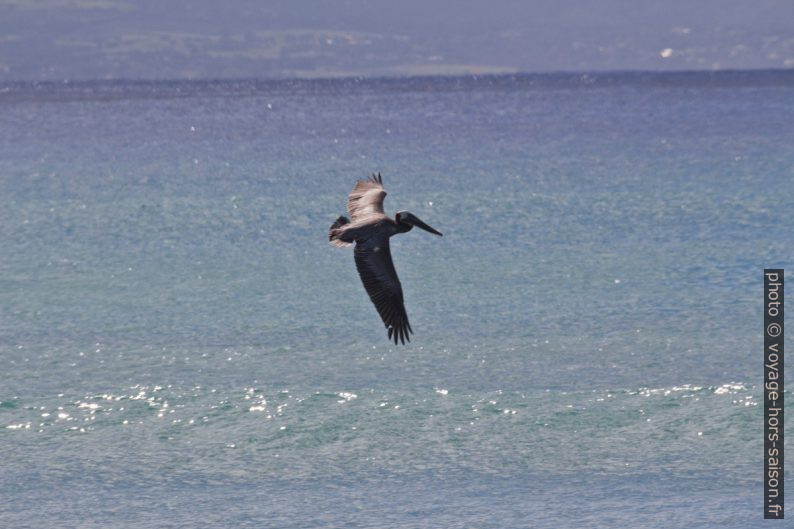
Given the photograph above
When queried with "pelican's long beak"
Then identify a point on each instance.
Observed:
(419, 223)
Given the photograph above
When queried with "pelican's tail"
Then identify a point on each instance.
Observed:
(334, 232)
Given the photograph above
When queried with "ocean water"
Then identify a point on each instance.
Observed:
(180, 346)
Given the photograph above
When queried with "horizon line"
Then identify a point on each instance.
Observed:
(381, 77)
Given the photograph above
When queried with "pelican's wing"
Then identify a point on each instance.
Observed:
(366, 198)
(374, 264)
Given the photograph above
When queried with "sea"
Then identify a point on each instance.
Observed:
(182, 348)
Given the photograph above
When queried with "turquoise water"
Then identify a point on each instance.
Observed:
(181, 347)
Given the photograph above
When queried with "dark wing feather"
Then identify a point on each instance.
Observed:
(366, 198)
(376, 269)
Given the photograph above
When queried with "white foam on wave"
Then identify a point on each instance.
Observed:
(346, 396)
(729, 388)
(732, 387)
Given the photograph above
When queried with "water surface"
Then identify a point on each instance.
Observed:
(181, 346)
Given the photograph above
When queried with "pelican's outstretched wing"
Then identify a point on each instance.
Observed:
(366, 198)
(374, 264)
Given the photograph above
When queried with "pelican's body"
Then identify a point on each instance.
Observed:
(370, 229)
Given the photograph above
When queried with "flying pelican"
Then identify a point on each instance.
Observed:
(370, 229)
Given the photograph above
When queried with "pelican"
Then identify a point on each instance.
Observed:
(370, 229)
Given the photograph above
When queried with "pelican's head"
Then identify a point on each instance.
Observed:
(408, 220)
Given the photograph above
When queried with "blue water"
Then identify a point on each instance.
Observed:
(181, 347)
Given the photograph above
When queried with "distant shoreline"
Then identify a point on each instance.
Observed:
(113, 88)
